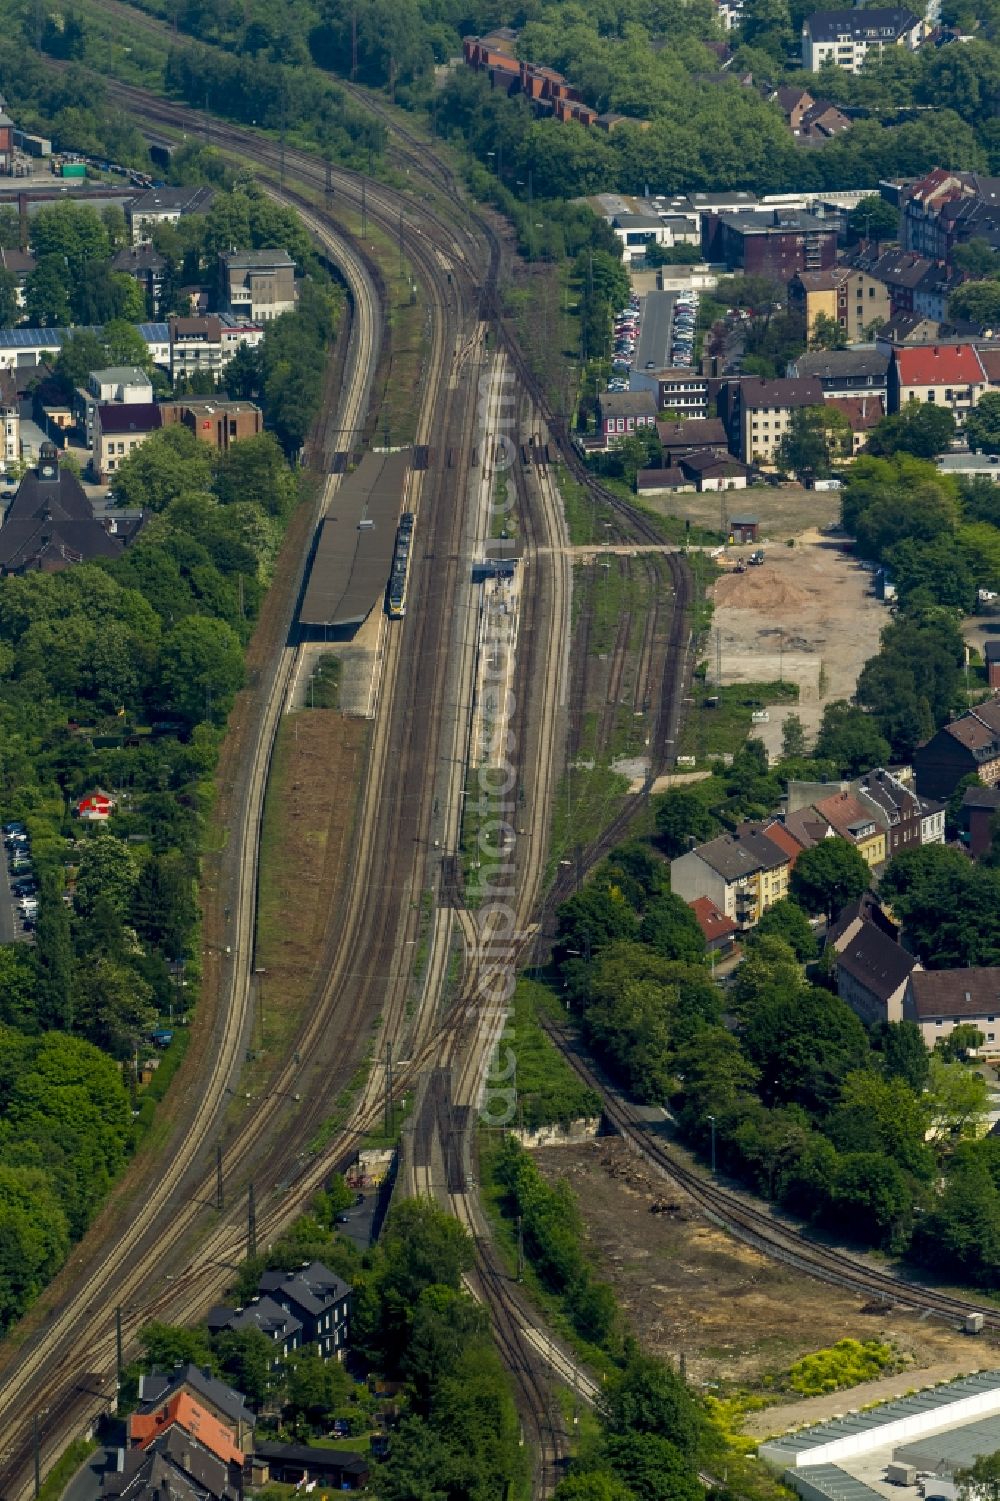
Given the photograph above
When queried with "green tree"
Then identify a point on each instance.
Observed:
(168, 1345)
(34, 1238)
(982, 425)
(962, 1040)
(54, 950)
(873, 218)
(981, 1480)
(978, 258)
(591, 1485)
(816, 437)
(804, 1047)
(123, 344)
(786, 920)
(793, 736)
(671, 929)
(683, 820)
(246, 1357)
(919, 429)
(113, 1005)
(829, 876)
(46, 294)
(882, 1115)
(957, 1100)
(71, 231)
(976, 302)
(827, 333)
(170, 463)
(653, 1467)
(648, 1396)
(850, 738)
(201, 669)
(871, 1196)
(107, 869)
(902, 1052)
(314, 1389)
(10, 311)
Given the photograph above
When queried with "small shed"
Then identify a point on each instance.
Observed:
(744, 529)
(991, 654)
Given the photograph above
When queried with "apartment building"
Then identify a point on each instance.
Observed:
(765, 413)
(849, 295)
(845, 38)
(742, 874)
(258, 284)
(945, 375)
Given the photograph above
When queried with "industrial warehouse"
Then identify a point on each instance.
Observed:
(907, 1450)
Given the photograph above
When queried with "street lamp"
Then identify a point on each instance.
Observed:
(711, 1121)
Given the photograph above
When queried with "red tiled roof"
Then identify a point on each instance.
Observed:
(784, 839)
(188, 1414)
(713, 923)
(938, 365)
(862, 412)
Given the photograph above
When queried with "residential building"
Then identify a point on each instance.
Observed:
(621, 413)
(183, 1411)
(945, 208)
(125, 385)
(932, 294)
(980, 805)
(764, 409)
(742, 874)
(208, 343)
(258, 284)
(853, 819)
(719, 930)
(164, 205)
(862, 414)
(146, 266)
(908, 328)
(274, 1321)
(897, 809)
(810, 120)
(932, 821)
(900, 272)
(6, 144)
(844, 372)
(854, 916)
(845, 38)
(709, 470)
(778, 243)
(872, 973)
(174, 1467)
(948, 375)
(969, 744)
(692, 435)
(682, 391)
(120, 428)
(225, 1404)
(50, 523)
(10, 420)
(19, 264)
(940, 1000)
(319, 1299)
(95, 807)
(216, 421)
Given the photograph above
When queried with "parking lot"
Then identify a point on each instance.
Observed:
(653, 332)
(18, 887)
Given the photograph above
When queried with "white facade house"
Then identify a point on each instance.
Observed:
(846, 37)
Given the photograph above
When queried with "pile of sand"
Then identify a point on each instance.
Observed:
(759, 589)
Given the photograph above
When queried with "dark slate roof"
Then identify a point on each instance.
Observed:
(733, 856)
(981, 797)
(761, 391)
(305, 1454)
(52, 522)
(138, 258)
(704, 460)
(841, 364)
(861, 25)
(351, 563)
(866, 907)
(160, 1385)
(148, 1476)
(955, 992)
(188, 200)
(130, 417)
(269, 1317)
(208, 1472)
(312, 1289)
(877, 963)
(627, 404)
(991, 651)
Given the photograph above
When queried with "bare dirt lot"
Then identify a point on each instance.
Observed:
(783, 510)
(685, 1286)
(807, 616)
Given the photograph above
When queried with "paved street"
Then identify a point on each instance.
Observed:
(10, 930)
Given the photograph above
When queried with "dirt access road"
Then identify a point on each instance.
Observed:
(806, 615)
(738, 1318)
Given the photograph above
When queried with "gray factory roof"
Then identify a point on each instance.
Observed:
(785, 1450)
(54, 338)
(957, 1449)
(350, 568)
(828, 1483)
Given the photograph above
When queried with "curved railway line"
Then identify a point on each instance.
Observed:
(271, 1142)
(755, 1226)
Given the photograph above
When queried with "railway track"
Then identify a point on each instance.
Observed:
(755, 1226)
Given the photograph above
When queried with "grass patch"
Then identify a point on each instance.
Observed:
(721, 730)
(150, 1127)
(587, 517)
(480, 850)
(324, 683)
(342, 1104)
(65, 1468)
(549, 1092)
(422, 951)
